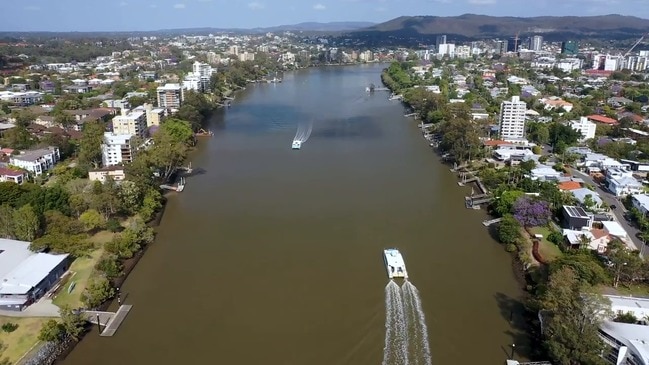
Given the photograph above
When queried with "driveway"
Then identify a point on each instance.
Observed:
(619, 212)
(42, 308)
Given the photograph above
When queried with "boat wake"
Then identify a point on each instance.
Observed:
(406, 334)
(303, 132)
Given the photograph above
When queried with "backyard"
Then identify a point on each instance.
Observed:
(548, 250)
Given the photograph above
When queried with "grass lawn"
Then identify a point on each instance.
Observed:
(20, 341)
(639, 290)
(81, 269)
(548, 250)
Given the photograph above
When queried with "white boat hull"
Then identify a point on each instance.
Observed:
(394, 264)
(296, 145)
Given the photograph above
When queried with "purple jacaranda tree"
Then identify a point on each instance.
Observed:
(531, 212)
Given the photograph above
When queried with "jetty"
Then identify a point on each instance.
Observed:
(489, 222)
(109, 320)
(178, 187)
(204, 133)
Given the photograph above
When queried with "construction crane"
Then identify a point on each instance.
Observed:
(635, 44)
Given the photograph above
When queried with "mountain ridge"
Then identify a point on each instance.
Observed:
(476, 26)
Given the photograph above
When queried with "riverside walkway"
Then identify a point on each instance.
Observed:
(109, 320)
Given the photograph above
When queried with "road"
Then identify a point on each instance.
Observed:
(619, 212)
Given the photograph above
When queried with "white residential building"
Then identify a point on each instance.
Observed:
(628, 343)
(36, 162)
(512, 119)
(536, 43)
(585, 127)
(130, 122)
(170, 96)
(641, 202)
(116, 149)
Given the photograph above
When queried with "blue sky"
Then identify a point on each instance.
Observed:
(128, 15)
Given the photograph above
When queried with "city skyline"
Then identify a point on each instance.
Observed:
(150, 15)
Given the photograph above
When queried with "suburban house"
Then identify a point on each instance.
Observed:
(25, 276)
(11, 175)
(576, 218)
(593, 239)
(36, 162)
(624, 186)
(581, 194)
(641, 202)
(114, 172)
(544, 173)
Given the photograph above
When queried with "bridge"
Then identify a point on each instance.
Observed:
(109, 320)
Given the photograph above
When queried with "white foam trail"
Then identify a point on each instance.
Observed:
(420, 348)
(395, 350)
(303, 131)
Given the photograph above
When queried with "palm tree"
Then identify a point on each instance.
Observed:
(584, 241)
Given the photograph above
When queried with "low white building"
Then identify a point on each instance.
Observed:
(582, 193)
(624, 186)
(585, 127)
(628, 342)
(38, 161)
(544, 173)
(116, 173)
(116, 149)
(641, 202)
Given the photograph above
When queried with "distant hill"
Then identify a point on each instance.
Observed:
(310, 27)
(472, 26)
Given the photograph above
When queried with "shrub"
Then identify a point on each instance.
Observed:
(510, 247)
(9, 327)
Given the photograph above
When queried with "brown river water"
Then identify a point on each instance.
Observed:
(274, 256)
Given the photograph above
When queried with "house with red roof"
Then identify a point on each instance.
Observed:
(12, 175)
(601, 119)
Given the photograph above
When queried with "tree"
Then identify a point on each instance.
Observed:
(92, 220)
(72, 321)
(509, 230)
(23, 117)
(52, 331)
(26, 223)
(178, 131)
(572, 313)
(150, 204)
(7, 221)
(110, 266)
(63, 118)
(18, 137)
(506, 201)
(625, 264)
(98, 291)
(531, 212)
(90, 144)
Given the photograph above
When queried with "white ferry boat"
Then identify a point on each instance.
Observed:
(394, 263)
(296, 145)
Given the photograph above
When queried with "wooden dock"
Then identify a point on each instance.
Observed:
(489, 222)
(115, 321)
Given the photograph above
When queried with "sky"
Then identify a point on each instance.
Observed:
(134, 15)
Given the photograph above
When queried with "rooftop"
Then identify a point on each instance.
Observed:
(22, 269)
(602, 119)
(575, 212)
(32, 155)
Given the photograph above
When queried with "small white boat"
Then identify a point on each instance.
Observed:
(394, 263)
(296, 145)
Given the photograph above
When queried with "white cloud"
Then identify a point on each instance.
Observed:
(204, 1)
(32, 8)
(179, 6)
(319, 6)
(123, 4)
(482, 2)
(153, 6)
(255, 5)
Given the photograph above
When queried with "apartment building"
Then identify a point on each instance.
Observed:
(131, 123)
(512, 119)
(585, 127)
(117, 149)
(38, 161)
(170, 96)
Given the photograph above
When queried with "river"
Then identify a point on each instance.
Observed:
(274, 256)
